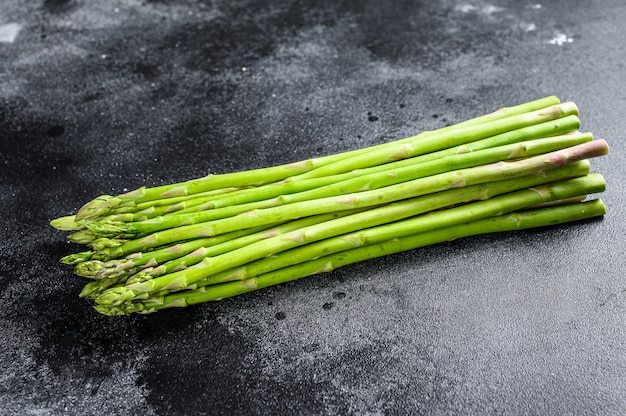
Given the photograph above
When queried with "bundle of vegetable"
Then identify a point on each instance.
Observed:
(222, 235)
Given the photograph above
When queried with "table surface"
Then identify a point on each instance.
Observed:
(103, 97)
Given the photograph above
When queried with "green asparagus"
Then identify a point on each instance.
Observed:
(226, 234)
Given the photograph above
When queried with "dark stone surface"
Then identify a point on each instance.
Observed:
(101, 97)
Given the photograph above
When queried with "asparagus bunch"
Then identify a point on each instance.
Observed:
(222, 235)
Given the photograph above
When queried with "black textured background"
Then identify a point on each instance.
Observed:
(103, 97)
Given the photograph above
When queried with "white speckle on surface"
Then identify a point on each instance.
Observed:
(487, 9)
(528, 27)
(8, 32)
(560, 39)
(534, 6)
(490, 9)
(466, 8)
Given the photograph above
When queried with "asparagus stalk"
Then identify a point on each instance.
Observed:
(449, 180)
(104, 243)
(542, 217)
(393, 212)
(357, 183)
(94, 241)
(139, 212)
(103, 204)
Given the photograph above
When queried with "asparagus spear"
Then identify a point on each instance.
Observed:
(393, 212)
(542, 217)
(149, 209)
(103, 204)
(82, 236)
(507, 112)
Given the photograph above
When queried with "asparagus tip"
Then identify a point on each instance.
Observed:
(115, 296)
(97, 207)
(89, 289)
(88, 269)
(67, 223)
(104, 243)
(110, 228)
(110, 311)
(81, 237)
(76, 258)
